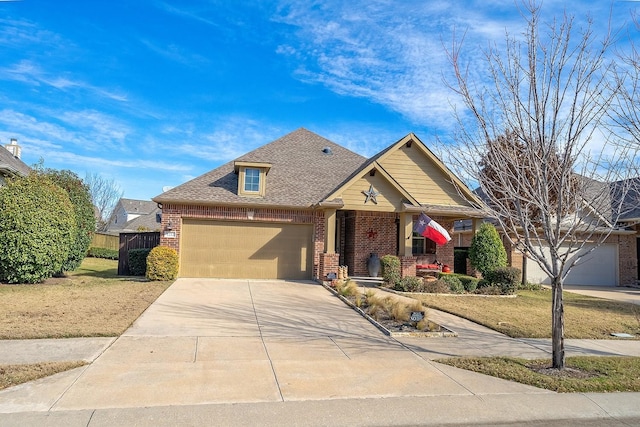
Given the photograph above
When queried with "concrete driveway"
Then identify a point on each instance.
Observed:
(237, 341)
(617, 293)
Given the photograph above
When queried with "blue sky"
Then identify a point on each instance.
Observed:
(154, 93)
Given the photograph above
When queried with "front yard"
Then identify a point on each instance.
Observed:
(529, 314)
(90, 302)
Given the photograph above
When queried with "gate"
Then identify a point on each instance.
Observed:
(146, 240)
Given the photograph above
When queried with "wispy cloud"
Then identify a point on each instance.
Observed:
(175, 53)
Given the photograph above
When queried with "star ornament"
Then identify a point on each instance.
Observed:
(371, 195)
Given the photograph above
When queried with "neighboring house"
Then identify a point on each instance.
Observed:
(300, 206)
(10, 163)
(131, 215)
(614, 262)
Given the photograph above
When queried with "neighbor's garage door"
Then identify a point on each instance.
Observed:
(600, 267)
(248, 250)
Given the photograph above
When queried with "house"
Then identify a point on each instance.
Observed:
(300, 206)
(10, 163)
(614, 262)
(130, 215)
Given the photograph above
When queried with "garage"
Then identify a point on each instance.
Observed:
(598, 268)
(246, 250)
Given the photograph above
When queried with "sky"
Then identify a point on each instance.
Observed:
(150, 94)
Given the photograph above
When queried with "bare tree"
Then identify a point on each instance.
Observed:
(535, 142)
(105, 194)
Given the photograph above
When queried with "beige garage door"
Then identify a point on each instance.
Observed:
(248, 250)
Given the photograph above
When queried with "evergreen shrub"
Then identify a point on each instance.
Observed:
(162, 264)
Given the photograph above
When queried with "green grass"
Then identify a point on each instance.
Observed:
(583, 374)
(528, 315)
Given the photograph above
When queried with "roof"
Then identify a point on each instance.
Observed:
(11, 165)
(141, 207)
(630, 207)
(302, 174)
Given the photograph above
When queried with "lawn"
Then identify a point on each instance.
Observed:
(582, 374)
(90, 302)
(529, 314)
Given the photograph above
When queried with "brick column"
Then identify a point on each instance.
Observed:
(328, 264)
(408, 266)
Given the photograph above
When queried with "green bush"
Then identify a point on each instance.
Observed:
(455, 285)
(410, 284)
(102, 253)
(506, 278)
(138, 261)
(162, 264)
(85, 219)
(436, 287)
(37, 229)
(469, 283)
(487, 252)
(390, 270)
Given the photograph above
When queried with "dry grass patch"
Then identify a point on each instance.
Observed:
(529, 314)
(92, 301)
(11, 375)
(582, 374)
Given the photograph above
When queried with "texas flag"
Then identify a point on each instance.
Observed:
(426, 227)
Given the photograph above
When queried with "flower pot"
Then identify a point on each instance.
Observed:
(373, 265)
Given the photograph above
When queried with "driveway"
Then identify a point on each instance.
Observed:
(617, 293)
(234, 341)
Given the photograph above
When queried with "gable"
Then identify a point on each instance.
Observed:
(354, 197)
(421, 176)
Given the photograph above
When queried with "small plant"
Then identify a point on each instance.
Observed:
(530, 287)
(409, 284)
(469, 283)
(489, 290)
(162, 264)
(102, 253)
(455, 285)
(138, 261)
(506, 278)
(436, 287)
(399, 311)
(390, 270)
(347, 288)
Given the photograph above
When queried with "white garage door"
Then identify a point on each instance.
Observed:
(246, 250)
(598, 268)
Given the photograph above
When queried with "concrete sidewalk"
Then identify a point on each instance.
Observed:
(289, 353)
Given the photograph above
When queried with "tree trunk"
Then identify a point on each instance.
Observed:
(557, 325)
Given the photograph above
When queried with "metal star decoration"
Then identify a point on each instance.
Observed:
(371, 195)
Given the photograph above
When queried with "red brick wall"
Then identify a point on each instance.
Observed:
(373, 232)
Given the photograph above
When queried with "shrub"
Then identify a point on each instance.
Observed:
(469, 283)
(489, 290)
(347, 288)
(162, 264)
(85, 219)
(455, 285)
(390, 270)
(102, 253)
(436, 287)
(530, 286)
(506, 278)
(37, 228)
(138, 261)
(409, 284)
(487, 252)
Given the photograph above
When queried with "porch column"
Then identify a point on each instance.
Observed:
(406, 232)
(330, 231)
(475, 225)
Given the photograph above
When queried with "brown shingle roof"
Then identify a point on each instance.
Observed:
(9, 164)
(301, 174)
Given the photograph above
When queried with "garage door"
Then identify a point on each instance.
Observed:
(598, 268)
(248, 250)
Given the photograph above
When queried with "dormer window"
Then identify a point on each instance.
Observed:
(252, 178)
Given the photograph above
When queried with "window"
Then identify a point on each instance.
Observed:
(421, 245)
(252, 180)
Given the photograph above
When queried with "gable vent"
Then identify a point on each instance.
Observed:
(327, 150)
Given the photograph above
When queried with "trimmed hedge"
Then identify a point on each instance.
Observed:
(487, 252)
(138, 261)
(505, 278)
(410, 284)
(162, 264)
(102, 253)
(390, 270)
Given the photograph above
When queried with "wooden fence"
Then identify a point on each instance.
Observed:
(107, 241)
(129, 241)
